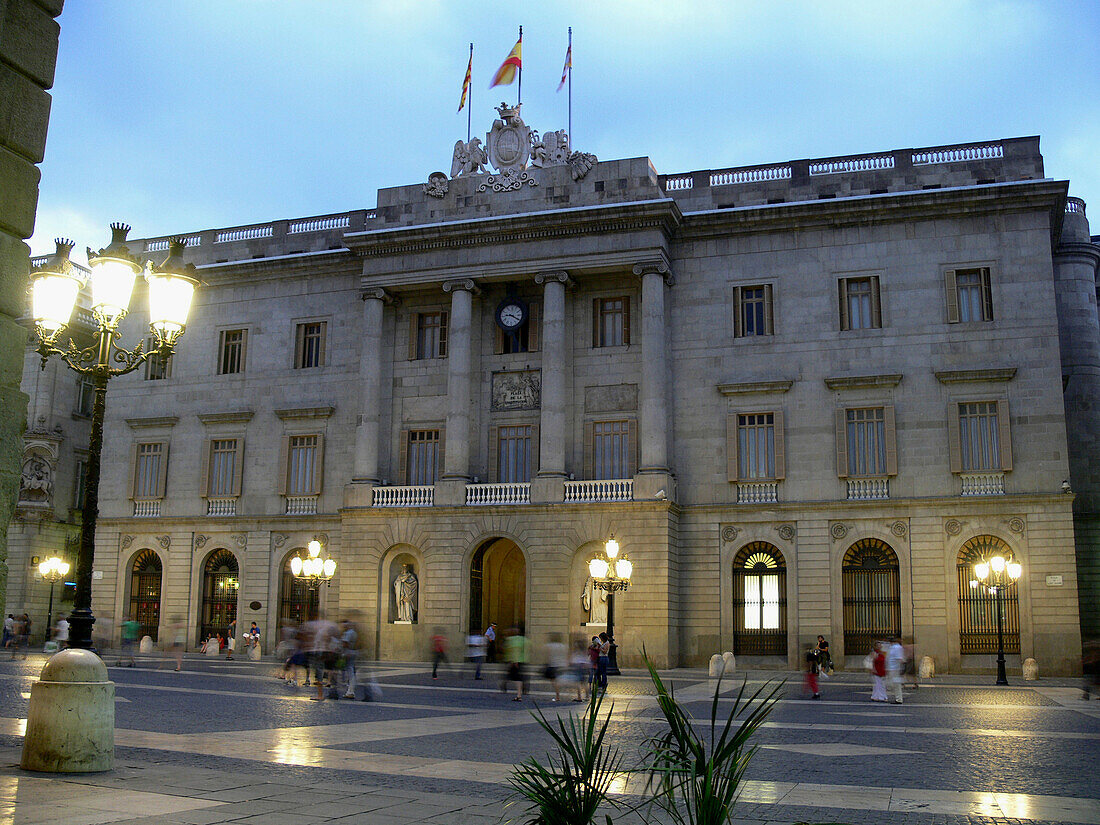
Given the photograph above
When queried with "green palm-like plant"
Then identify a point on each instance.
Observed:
(575, 783)
(694, 781)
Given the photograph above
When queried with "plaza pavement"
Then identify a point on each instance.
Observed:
(225, 742)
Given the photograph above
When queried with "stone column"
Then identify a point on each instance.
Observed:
(456, 467)
(365, 470)
(552, 419)
(653, 429)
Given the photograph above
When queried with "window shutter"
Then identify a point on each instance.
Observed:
(595, 322)
(632, 448)
(589, 449)
(951, 290)
(133, 469)
(413, 318)
(299, 345)
(283, 470)
(626, 320)
(533, 328)
(244, 349)
(780, 447)
(842, 443)
(876, 303)
(238, 467)
(731, 447)
(987, 295)
(440, 454)
(534, 449)
(737, 331)
(319, 466)
(1004, 434)
(954, 442)
(321, 345)
(403, 458)
(162, 470)
(769, 323)
(498, 340)
(494, 455)
(443, 334)
(204, 468)
(842, 286)
(891, 440)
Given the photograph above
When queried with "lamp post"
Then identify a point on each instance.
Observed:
(313, 571)
(52, 569)
(995, 575)
(54, 289)
(611, 572)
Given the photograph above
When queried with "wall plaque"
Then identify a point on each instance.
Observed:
(517, 390)
(1054, 581)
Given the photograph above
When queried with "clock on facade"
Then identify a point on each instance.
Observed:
(511, 313)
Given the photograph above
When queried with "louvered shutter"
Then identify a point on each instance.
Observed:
(876, 303)
(494, 455)
(626, 320)
(589, 449)
(951, 290)
(1004, 434)
(533, 328)
(780, 447)
(283, 469)
(842, 443)
(732, 466)
(842, 286)
(632, 448)
(204, 468)
(954, 438)
(891, 440)
(238, 467)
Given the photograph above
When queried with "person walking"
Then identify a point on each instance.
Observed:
(230, 639)
(349, 650)
(515, 651)
(439, 651)
(603, 662)
(824, 659)
(320, 640)
(811, 673)
(895, 664)
(9, 628)
(19, 635)
(593, 662)
(476, 652)
(878, 673)
(580, 666)
(177, 639)
(557, 664)
(130, 632)
(61, 633)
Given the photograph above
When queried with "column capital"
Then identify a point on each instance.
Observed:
(655, 268)
(559, 275)
(376, 293)
(467, 284)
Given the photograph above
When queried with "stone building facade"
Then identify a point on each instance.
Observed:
(803, 397)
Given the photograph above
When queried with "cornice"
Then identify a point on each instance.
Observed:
(969, 376)
(152, 421)
(304, 412)
(862, 382)
(755, 387)
(232, 417)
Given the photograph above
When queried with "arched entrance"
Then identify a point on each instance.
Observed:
(145, 578)
(220, 585)
(294, 595)
(759, 601)
(498, 586)
(872, 595)
(978, 607)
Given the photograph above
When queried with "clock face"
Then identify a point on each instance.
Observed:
(511, 315)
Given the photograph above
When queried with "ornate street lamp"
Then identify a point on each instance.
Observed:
(995, 575)
(313, 571)
(52, 569)
(611, 572)
(54, 290)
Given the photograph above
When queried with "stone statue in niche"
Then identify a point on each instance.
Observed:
(406, 588)
(594, 603)
(36, 481)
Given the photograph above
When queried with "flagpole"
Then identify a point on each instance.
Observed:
(470, 105)
(519, 102)
(570, 85)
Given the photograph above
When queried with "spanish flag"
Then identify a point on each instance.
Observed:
(507, 71)
(466, 82)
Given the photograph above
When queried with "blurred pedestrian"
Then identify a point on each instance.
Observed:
(19, 635)
(9, 626)
(557, 664)
(515, 651)
(811, 673)
(319, 640)
(1090, 669)
(130, 632)
(476, 652)
(579, 669)
(895, 664)
(911, 665)
(439, 651)
(61, 633)
(177, 640)
(349, 652)
(878, 673)
(231, 638)
(603, 662)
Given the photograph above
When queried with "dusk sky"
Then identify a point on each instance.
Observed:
(182, 116)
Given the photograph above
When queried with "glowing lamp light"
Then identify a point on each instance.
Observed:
(54, 290)
(598, 568)
(171, 288)
(329, 568)
(296, 566)
(981, 570)
(623, 568)
(611, 548)
(114, 271)
(1014, 570)
(53, 568)
(997, 563)
(973, 584)
(314, 549)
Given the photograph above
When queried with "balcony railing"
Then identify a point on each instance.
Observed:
(868, 489)
(301, 505)
(758, 492)
(221, 507)
(498, 493)
(410, 496)
(983, 484)
(616, 489)
(148, 508)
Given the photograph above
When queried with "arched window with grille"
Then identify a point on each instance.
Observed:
(978, 606)
(145, 578)
(294, 595)
(759, 601)
(872, 595)
(220, 585)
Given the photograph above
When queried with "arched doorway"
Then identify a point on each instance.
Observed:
(759, 601)
(872, 595)
(978, 607)
(145, 578)
(498, 586)
(294, 594)
(220, 585)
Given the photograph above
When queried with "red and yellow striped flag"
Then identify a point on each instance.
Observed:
(466, 82)
(507, 71)
(568, 66)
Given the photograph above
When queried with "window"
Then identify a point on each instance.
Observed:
(85, 396)
(969, 297)
(613, 450)
(759, 601)
(231, 351)
(157, 366)
(752, 311)
(150, 459)
(872, 600)
(978, 606)
(860, 307)
(513, 454)
(428, 338)
(866, 443)
(309, 345)
(611, 322)
(421, 457)
(78, 483)
(222, 468)
(303, 456)
(754, 446)
(980, 438)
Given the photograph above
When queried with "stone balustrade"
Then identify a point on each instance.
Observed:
(221, 507)
(147, 508)
(868, 489)
(983, 484)
(758, 492)
(498, 494)
(619, 489)
(403, 496)
(301, 505)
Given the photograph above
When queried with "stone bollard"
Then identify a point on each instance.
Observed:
(927, 667)
(145, 645)
(254, 652)
(716, 666)
(1031, 670)
(71, 717)
(212, 649)
(728, 663)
